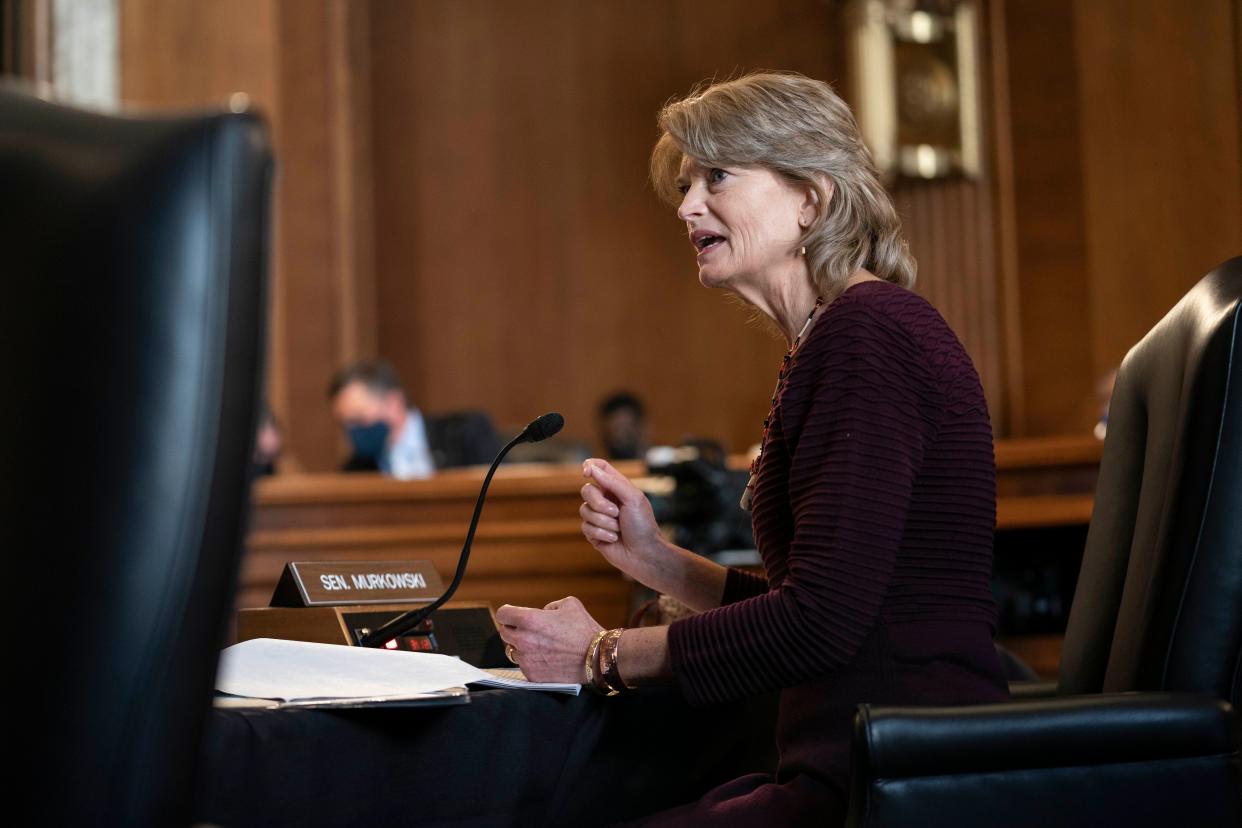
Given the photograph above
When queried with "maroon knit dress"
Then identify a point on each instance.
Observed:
(873, 510)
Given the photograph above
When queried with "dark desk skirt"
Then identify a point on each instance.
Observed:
(508, 758)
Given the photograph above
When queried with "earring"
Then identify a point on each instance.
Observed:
(802, 250)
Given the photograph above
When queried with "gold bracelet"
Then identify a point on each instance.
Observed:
(592, 657)
(616, 661)
(602, 671)
(598, 683)
(609, 669)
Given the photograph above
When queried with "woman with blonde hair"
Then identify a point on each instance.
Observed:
(873, 497)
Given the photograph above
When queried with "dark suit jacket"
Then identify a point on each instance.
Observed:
(461, 438)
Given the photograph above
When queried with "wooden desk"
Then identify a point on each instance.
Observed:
(1040, 481)
(529, 549)
(1015, 512)
(1064, 465)
(1044, 483)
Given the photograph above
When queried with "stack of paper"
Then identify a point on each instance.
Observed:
(300, 673)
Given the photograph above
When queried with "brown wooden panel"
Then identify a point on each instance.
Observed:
(1119, 183)
(998, 130)
(1015, 454)
(518, 547)
(1048, 324)
(1161, 157)
(1046, 466)
(1039, 511)
(523, 263)
(324, 310)
(305, 65)
(177, 53)
(530, 493)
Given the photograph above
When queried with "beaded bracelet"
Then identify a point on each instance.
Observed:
(591, 663)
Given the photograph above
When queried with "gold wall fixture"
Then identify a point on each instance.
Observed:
(915, 86)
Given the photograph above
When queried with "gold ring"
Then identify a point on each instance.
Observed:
(510, 653)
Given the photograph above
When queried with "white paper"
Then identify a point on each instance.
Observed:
(500, 677)
(268, 668)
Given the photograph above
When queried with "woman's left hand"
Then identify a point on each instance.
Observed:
(549, 644)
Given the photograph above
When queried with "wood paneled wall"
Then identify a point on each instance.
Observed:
(523, 263)
(304, 65)
(462, 188)
(1119, 183)
(1162, 156)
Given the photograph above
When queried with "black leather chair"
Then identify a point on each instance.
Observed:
(133, 259)
(1141, 731)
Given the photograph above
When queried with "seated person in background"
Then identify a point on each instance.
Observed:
(389, 435)
(268, 443)
(623, 426)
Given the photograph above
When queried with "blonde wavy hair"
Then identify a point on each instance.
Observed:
(798, 128)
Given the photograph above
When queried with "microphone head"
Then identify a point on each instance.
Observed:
(541, 428)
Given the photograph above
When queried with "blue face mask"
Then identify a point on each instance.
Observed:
(368, 440)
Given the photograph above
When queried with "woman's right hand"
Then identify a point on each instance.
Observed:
(618, 521)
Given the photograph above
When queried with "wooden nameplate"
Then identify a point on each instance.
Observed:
(329, 603)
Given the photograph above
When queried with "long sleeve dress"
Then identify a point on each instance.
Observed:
(873, 511)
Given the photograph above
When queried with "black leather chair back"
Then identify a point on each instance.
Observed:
(462, 438)
(133, 254)
(1159, 598)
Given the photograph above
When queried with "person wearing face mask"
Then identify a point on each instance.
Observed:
(388, 435)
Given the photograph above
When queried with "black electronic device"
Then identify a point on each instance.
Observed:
(700, 503)
(466, 631)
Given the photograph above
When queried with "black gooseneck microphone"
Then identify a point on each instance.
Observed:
(541, 428)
